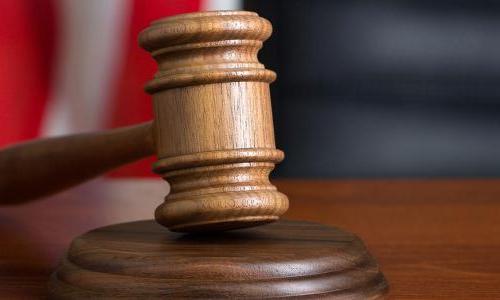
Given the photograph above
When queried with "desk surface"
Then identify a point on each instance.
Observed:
(436, 239)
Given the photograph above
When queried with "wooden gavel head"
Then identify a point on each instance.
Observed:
(213, 126)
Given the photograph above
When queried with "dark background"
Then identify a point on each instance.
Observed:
(385, 88)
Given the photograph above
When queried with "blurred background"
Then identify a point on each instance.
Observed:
(365, 89)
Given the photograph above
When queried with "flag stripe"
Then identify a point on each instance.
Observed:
(69, 66)
(27, 40)
(89, 52)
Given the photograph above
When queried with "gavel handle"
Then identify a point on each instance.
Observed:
(34, 169)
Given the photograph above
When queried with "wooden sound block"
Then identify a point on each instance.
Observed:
(140, 260)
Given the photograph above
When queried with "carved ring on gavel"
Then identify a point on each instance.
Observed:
(212, 130)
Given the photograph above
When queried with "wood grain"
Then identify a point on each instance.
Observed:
(138, 260)
(433, 239)
(214, 126)
(42, 167)
(213, 130)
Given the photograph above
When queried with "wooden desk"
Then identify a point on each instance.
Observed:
(435, 239)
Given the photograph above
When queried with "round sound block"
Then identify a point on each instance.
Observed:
(143, 260)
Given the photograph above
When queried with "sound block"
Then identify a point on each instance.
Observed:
(143, 260)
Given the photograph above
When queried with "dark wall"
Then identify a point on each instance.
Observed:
(385, 88)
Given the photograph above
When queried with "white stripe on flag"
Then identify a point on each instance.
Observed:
(89, 54)
(221, 5)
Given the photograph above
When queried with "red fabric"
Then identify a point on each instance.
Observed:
(27, 40)
(132, 105)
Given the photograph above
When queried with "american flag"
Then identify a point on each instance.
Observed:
(69, 66)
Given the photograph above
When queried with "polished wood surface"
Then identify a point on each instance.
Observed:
(214, 125)
(138, 260)
(41, 167)
(213, 130)
(437, 239)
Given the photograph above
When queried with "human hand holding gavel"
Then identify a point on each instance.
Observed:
(213, 130)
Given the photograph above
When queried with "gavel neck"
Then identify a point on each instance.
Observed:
(34, 169)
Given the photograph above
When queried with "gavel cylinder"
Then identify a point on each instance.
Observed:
(213, 121)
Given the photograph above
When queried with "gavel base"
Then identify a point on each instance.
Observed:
(143, 260)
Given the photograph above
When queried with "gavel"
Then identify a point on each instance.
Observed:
(212, 130)
(213, 135)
